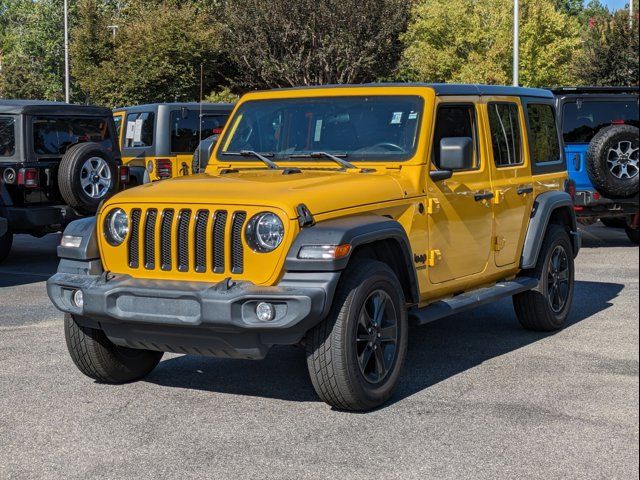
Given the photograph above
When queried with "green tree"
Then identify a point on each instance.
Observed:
(471, 42)
(157, 56)
(31, 50)
(279, 43)
(609, 53)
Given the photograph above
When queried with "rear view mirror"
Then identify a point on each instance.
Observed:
(456, 153)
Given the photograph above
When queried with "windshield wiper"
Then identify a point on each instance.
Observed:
(250, 153)
(336, 158)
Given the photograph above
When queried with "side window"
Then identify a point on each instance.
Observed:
(455, 121)
(139, 132)
(7, 136)
(185, 132)
(505, 134)
(117, 121)
(545, 146)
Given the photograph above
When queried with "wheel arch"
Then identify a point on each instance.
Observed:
(549, 208)
(371, 236)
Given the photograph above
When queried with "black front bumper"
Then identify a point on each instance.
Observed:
(195, 317)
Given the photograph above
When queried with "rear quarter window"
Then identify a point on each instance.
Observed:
(7, 136)
(54, 135)
(139, 130)
(543, 134)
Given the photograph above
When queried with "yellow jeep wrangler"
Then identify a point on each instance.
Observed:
(329, 217)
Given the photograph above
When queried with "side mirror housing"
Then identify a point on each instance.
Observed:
(456, 153)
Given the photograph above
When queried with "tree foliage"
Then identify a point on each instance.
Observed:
(471, 42)
(280, 43)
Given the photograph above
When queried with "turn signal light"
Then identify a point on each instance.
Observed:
(324, 252)
(163, 168)
(28, 177)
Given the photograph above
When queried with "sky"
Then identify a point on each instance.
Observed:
(615, 4)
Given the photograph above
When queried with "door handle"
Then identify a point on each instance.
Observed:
(525, 189)
(482, 196)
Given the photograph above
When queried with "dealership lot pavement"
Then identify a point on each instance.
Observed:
(480, 398)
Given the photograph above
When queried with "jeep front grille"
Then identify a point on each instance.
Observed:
(185, 237)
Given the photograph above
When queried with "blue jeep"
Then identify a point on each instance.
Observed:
(600, 132)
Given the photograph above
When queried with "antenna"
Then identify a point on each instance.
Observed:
(200, 115)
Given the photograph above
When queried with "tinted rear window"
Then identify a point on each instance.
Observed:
(7, 136)
(185, 132)
(545, 146)
(54, 135)
(581, 120)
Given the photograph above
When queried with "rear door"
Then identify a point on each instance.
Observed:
(511, 178)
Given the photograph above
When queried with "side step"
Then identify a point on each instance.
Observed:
(469, 300)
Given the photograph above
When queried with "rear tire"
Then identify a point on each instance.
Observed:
(355, 355)
(98, 358)
(87, 175)
(6, 241)
(548, 308)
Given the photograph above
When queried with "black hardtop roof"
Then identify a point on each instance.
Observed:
(593, 90)
(41, 107)
(154, 106)
(452, 89)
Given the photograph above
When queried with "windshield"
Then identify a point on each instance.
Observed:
(361, 128)
(581, 120)
(7, 136)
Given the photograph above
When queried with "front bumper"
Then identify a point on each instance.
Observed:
(195, 317)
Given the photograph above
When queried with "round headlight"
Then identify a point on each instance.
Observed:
(265, 232)
(116, 226)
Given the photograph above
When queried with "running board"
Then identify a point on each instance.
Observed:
(469, 300)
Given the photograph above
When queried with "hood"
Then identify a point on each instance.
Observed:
(320, 190)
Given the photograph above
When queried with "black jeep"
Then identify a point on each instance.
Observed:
(57, 163)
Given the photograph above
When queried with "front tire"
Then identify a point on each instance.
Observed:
(547, 308)
(98, 358)
(355, 356)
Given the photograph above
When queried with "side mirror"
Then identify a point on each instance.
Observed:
(456, 153)
(203, 153)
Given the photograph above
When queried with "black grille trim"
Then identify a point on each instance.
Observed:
(200, 241)
(218, 231)
(149, 246)
(237, 248)
(183, 240)
(134, 239)
(166, 228)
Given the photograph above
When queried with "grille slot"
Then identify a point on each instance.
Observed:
(200, 244)
(165, 239)
(183, 240)
(219, 225)
(150, 239)
(237, 249)
(134, 239)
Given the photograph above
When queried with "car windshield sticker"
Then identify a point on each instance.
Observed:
(396, 118)
(412, 115)
(131, 126)
(137, 133)
(318, 133)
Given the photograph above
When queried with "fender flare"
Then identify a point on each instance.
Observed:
(356, 231)
(543, 207)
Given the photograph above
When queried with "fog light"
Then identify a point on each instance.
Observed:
(78, 298)
(265, 312)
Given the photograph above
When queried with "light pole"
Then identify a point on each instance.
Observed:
(66, 52)
(516, 43)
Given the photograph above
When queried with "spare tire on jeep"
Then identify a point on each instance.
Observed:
(612, 161)
(87, 175)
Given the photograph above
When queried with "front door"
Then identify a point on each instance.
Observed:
(510, 176)
(461, 220)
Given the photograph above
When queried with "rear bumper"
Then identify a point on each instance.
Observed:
(195, 317)
(589, 203)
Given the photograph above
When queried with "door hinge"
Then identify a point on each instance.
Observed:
(499, 243)
(435, 257)
(433, 206)
(498, 197)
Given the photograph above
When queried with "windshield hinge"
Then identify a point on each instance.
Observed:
(305, 217)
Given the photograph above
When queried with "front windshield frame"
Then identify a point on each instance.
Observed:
(225, 154)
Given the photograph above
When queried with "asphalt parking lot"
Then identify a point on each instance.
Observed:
(479, 398)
